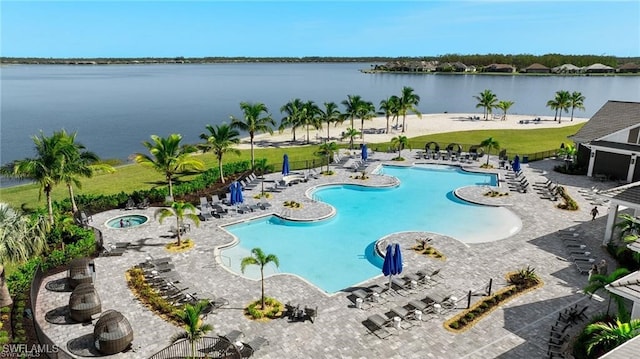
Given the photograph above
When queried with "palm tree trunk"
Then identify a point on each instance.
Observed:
(178, 230)
(555, 118)
(262, 285)
(560, 117)
(572, 108)
(74, 207)
(293, 132)
(488, 151)
(362, 129)
(170, 180)
(47, 192)
(387, 124)
(307, 134)
(328, 126)
(220, 169)
(251, 142)
(404, 117)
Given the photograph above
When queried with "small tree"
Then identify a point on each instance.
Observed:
(194, 328)
(326, 149)
(399, 143)
(260, 259)
(350, 133)
(490, 144)
(180, 210)
(504, 106)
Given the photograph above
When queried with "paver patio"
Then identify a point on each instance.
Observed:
(517, 329)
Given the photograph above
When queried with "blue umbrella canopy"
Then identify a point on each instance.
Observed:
(239, 198)
(387, 265)
(365, 155)
(232, 192)
(397, 259)
(516, 164)
(285, 165)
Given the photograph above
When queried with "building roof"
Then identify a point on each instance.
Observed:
(629, 66)
(627, 286)
(566, 68)
(536, 66)
(628, 349)
(631, 147)
(598, 66)
(612, 117)
(628, 194)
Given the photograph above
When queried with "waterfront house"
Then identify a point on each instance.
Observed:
(609, 143)
(598, 69)
(629, 67)
(536, 69)
(499, 68)
(566, 69)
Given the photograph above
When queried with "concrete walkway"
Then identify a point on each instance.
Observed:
(517, 329)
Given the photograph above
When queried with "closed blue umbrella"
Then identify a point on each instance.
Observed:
(388, 266)
(397, 259)
(285, 165)
(365, 155)
(232, 193)
(516, 164)
(239, 198)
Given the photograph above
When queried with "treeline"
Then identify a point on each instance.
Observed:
(519, 61)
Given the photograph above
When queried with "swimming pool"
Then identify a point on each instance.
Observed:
(337, 253)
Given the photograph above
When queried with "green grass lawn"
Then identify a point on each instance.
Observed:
(132, 177)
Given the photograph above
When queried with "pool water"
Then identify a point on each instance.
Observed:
(337, 253)
(127, 221)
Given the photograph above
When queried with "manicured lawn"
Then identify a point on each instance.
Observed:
(131, 177)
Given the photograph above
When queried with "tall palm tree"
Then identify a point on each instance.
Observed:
(366, 112)
(576, 101)
(504, 106)
(352, 105)
(254, 121)
(194, 328)
(490, 144)
(293, 118)
(399, 142)
(220, 140)
(46, 167)
(182, 211)
(563, 102)
(310, 117)
(350, 133)
(486, 100)
(600, 281)
(79, 163)
(327, 149)
(169, 157)
(329, 115)
(408, 103)
(260, 259)
(608, 335)
(388, 107)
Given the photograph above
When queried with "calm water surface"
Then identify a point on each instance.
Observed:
(114, 108)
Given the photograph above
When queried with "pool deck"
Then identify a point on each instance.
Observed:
(515, 330)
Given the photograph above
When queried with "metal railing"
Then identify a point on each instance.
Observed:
(205, 347)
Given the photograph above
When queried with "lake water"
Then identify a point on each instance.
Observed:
(114, 108)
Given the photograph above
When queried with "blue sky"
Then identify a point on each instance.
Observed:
(317, 28)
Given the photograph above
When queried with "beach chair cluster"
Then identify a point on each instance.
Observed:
(411, 314)
(594, 196)
(517, 182)
(161, 275)
(547, 190)
(131, 204)
(115, 249)
(558, 345)
(295, 313)
(533, 121)
(232, 340)
(580, 254)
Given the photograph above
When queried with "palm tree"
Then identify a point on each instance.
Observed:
(46, 167)
(399, 142)
(504, 106)
(330, 114)
(254, 122)
(388, 107)
(609, 335)
(576, 101)
(261, 167)
(629, 227)
(169, 158)
(408, 102)
(600, 281)
(220, 140)
(260, 259)
(310, 116)
(486, 100)
(180, 210)
(569, 151)
(79, 163)
(366, 112)
(553, 104)
(327, 149)
(352, 105)
(350, 133)
(490, 144)
(194, 328)
(563, 102)
(293, 111)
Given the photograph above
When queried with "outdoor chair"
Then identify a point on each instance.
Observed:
(248, 349)
(130, 204)
(144, 204)
(264, 204)
(408, 317)
(376, 325)
(311, 314)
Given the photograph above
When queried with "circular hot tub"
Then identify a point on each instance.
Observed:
(127, 221)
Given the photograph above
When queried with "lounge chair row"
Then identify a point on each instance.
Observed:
(232, 340)
(517, 182)
(131, 204)
(577, 251)
(547, 190)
